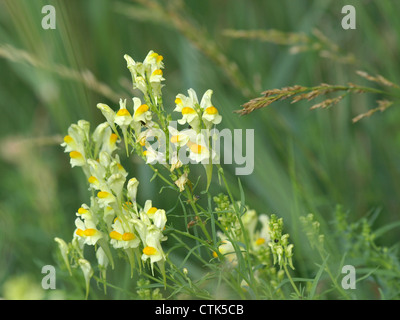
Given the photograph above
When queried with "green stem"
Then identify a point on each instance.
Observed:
(190, 198)
(105, 283)
(162, 177)
(246, 238)
(339, 288)
(291, 280)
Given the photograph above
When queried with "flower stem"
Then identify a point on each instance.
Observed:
(190, 198)
(291, 280)
(246, 238)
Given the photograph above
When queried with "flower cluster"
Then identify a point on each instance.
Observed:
(149, 129)
(113, 219)
(279, 243)
(312, 231)
(258, 237)
(113, 216)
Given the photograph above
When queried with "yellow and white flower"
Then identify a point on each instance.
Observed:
(150, 71)
(75, 139)
(262, 237)
(152, 249)
(105, 139)
(175, 162)
(210, 114)
(153, 156)
(97, 175)
(116, 167)
(105, 198)
(64, 249)
(87, 272)
(142, 112)
(84, 211)
(86, 231)
(155, 59)
(108, 113)
(250, 220)
(123, 235)
(153, 64)
(102, 259)
(187, 106)
(77, 159)
(149, 210)
(138, 74)
(123, 118)
(151, 217)
(160, 219)
(181, 182)
(94, 182)
(74, 143)
(156, 75)
(132, 189)
(190, 108)
(228, 251)
(199, 152)
(179, 138)
(116, 183)
(148, 135)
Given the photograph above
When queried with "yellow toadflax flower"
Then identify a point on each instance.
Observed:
(159, 220)
(198, 152)
(77, 159)
(181, 182)
(123, 118)
(227, 250)
(105, 139)
(77, 135)
(148, 71)
(156, 216)
(142, 112)
(175, 162)
(261, 238)
(187, 105)
(86, 230)
(123, 235)
(179, 138)
(87, 273)
(108, 113)
(156, 75)
(132, 189)
(210, 114)
(105, 198)
(155, 59)
(153, 156)
(84, 210)
(152, 248)
(190, 108)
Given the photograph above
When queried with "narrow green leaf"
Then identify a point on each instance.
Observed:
(316, 279)
(129, 252)
(209, 169)
(104, 245)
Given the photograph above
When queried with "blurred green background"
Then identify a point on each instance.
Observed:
(305, 161)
